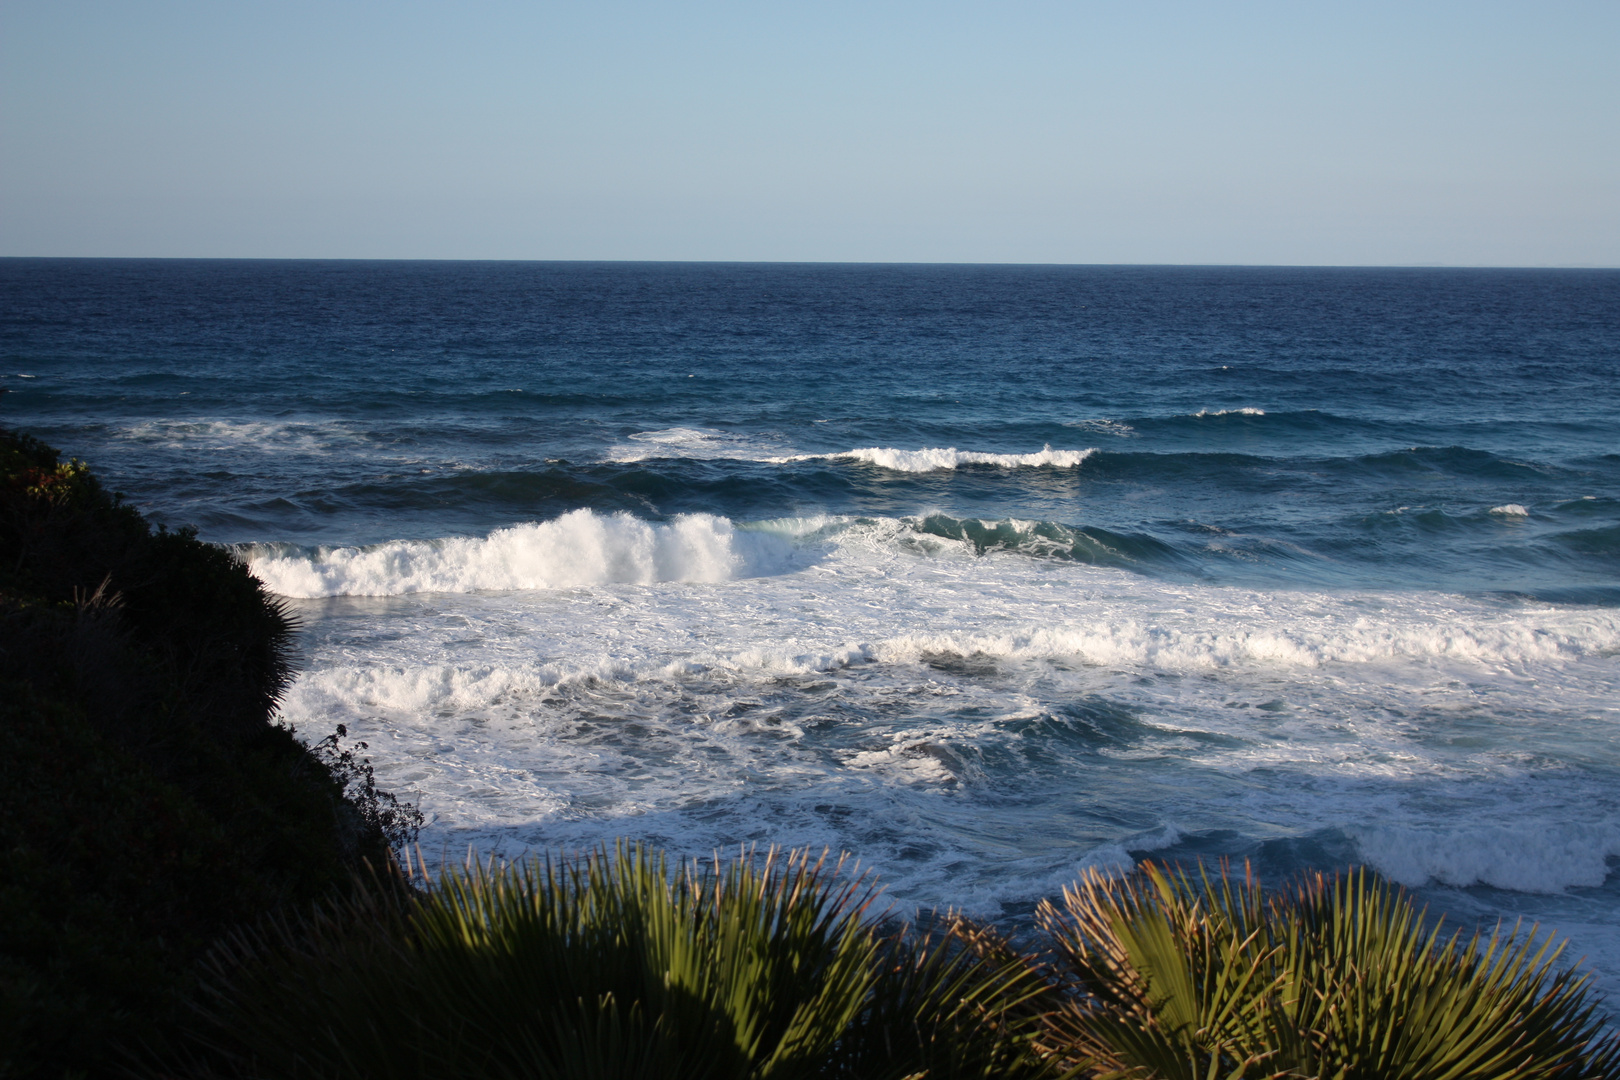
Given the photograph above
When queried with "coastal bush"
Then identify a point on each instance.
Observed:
(1164, 975)
(611, 965)
(148, 800)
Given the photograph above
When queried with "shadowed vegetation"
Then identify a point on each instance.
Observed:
(148, 802)
(611, 966)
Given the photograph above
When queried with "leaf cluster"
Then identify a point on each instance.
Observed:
(1168, 975)
(613, 965)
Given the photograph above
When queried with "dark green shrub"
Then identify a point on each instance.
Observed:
(148, 802)
(951, 1004)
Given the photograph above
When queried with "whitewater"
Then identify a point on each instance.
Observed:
(985, 575)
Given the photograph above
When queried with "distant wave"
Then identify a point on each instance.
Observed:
(695, 444)
(704, 444)
(936, 459)
(1249, 420)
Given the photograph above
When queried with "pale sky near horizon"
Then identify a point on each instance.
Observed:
(1144, 132)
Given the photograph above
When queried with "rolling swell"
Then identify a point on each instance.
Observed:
(477, 500)
(1451, 517)
(1420, 462)
(1052, 540)
(1247, 421)
(676, 484)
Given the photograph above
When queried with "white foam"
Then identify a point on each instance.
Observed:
(1245, 411)
(1130, 643)
(579, 548)
(253, 435)
(1511, 510)
(700, 444)
(934, 459)
(623, 648)
(708, 444)
(977, 728)
(1103, 426)
(423, 689)
(1539, 858)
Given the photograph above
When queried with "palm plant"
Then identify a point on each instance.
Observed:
(606, 966)
(955, 1003)
(1207, 979)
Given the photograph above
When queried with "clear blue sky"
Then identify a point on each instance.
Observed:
(1472, 133)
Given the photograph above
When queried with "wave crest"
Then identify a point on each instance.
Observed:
(579, 548)
(934, 459)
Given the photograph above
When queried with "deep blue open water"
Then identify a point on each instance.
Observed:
(983, 573)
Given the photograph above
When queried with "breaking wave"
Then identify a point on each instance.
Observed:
(934, 459)
(578, 548)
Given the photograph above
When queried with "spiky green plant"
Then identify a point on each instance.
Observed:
(1207, 979)
(955, 1003)
(606, 966)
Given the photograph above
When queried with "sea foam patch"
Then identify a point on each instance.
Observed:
(1145, 644)
(1536, 858)
(696, 444)
(253, 436)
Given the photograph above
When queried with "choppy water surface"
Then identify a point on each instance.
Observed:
(982, 573)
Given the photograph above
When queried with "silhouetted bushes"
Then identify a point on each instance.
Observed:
(148, 801)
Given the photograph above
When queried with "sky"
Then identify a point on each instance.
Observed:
(1148, 131)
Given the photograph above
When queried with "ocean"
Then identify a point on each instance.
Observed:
(983, 574)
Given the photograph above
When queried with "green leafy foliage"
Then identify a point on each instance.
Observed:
(608, 966)
(955, 1003)
(1208, 979)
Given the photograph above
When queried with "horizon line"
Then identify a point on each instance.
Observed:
(815, 262)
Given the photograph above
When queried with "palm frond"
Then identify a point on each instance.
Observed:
(613, 964)
(1207, 978)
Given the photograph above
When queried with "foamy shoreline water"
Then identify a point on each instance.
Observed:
(681, 648)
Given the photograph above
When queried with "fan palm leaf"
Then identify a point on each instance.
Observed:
(1206, 978)
(612, 966)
